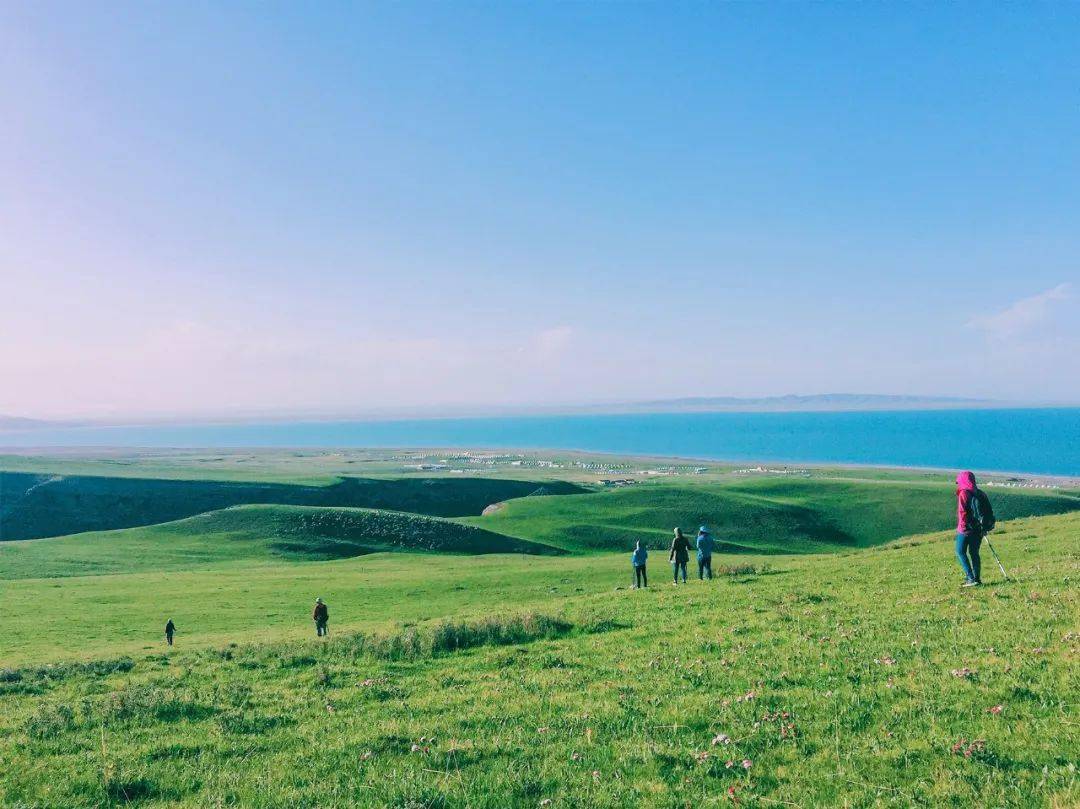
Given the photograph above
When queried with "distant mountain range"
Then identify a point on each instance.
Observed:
(19, 423)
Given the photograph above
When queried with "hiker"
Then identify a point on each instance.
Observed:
(638, 559)
(170, 630)
(974, 517)
(679, 556)
(705, 547)
(320, 615)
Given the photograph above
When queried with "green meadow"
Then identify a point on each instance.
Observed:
(504, 660)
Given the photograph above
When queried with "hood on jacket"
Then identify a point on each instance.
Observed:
(965, 481)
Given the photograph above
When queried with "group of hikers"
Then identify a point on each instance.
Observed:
(974, 519)
(678, 556)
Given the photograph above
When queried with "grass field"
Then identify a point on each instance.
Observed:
(43, 505)
(765, 515)
(503, 660)
(250, 534)
(860, 679)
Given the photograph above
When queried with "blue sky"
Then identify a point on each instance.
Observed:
(246, 207)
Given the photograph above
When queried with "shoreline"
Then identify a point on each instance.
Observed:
(92, 453)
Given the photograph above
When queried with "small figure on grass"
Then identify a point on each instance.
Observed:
(321, 616)
(170, 630)
(638, 560)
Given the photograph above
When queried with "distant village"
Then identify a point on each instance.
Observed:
(475, 462)
(1021, 483)
(620, 473)
(772, 471)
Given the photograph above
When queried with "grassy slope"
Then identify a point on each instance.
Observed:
(848, 658)
(249, 534)
(761, 515)
(41, 505)
(92, 616)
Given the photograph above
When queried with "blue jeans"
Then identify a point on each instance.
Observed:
(679, 567)
(704, 567)
(967, 551)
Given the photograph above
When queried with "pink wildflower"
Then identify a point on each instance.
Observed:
(747, 764)
(995, 710)
(721, 738)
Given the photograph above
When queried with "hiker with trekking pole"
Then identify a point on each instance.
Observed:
(974, 520)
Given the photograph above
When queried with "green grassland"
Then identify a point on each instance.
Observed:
(86, 617)
(49, 504)
(250, 534)
(762, 515)
(860, 678)
(502, 660)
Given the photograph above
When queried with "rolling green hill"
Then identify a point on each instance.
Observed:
(44, 505)
(765, 515)
(861, 679)
(255, 533)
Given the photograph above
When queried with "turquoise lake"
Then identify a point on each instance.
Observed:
(1043, 441)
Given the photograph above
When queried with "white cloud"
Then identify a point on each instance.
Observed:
(1022, 316)
(551, 344)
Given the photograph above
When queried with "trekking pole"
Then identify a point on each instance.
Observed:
(997, 558)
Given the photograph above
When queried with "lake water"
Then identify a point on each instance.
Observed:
(1044, 441)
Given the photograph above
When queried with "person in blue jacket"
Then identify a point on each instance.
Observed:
(638, 559)
(705, 547)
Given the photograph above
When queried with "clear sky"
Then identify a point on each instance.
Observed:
(230, 207)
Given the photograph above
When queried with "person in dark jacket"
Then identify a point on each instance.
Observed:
(638, 560)
(321, 616)
(170, 630)
(679, 556)
(705, 547)
(969, 530)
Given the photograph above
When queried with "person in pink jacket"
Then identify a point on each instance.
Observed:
(969, 528)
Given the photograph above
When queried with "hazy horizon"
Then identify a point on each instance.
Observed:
(226, 209)
(795, 403)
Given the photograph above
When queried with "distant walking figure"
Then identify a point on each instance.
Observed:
(679, 556)
(974, 517)
(705, 547)
(170, 630)
(638, 560)
(320, 615)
